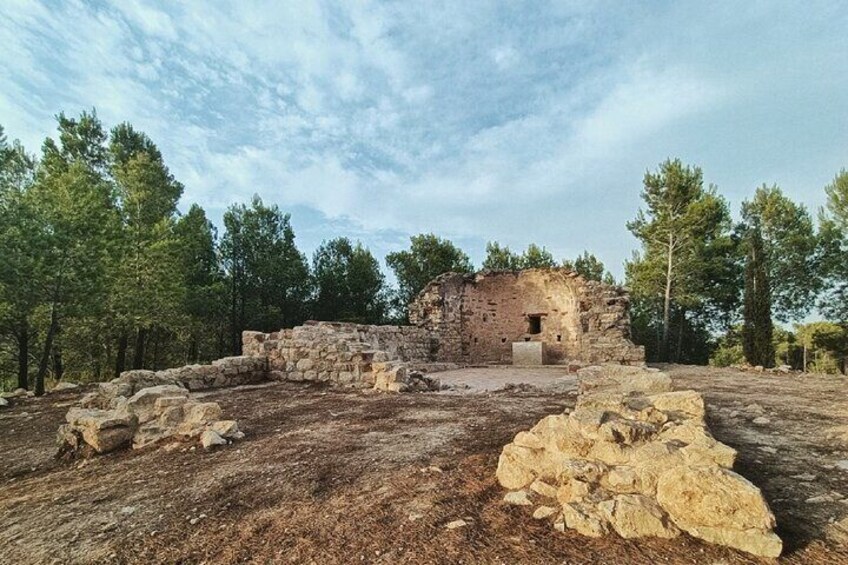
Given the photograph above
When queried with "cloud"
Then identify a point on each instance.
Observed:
(473, 119)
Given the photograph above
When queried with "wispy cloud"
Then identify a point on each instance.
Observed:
(479, 120)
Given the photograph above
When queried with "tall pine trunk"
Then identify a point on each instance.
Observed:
(58, 365)
(121, 357)
(48, 348)
(664, 346)
(140, 340)
(23, 354)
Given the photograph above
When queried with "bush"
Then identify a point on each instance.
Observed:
(727, 355)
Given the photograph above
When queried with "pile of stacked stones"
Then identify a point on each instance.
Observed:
(636, 459)
(143, 407)
(345, 354)
(149, 415)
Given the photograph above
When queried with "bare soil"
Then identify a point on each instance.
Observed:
(331, 476)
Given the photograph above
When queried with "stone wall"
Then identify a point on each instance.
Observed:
(345, 354)
(225, 372)
(476, 318)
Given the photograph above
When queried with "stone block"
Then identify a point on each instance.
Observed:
(528, 353)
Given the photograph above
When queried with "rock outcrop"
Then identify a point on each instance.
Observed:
(637, 459)
(149, 415)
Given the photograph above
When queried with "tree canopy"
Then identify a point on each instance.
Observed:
(428, 256)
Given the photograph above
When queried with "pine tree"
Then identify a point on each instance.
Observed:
(757, 327)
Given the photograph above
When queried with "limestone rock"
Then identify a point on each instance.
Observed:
(719, 506)
(543, 512)
(636, 516)
(64, 385)
(197, 416)
(637, 459)
(543, 489)
(148, 416)
(585, 518)
(103, 430)
(3, 402)
(17, 393)
(518, 498)
(210, 438)
(838, 531)
(227, 429)
(143, 404)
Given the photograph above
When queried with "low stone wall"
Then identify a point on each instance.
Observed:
(636, 458)
(226, 372)
(346, 354)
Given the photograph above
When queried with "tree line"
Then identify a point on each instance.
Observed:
(707, 288)
(101, 273)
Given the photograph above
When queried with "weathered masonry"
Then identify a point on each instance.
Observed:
(476, 318)
(456, 320)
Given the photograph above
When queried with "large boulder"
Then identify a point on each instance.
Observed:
(102, 430)
(636, 458)
(719, 506)
(145, 404)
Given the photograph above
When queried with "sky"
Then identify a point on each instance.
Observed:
(513, 121)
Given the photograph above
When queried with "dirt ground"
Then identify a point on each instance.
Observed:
(331, 476)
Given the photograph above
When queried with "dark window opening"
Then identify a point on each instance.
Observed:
(526, 339)
(535, 325)
(503, 340)
(475, 340)
(485, 318)
(559, 337)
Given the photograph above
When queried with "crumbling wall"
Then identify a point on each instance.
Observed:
(346, 354)
(225, 372)
(476, 318)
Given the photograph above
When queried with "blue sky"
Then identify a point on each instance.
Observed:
(512, 121)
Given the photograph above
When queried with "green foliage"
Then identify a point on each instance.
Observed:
(729, 349)
(790, 245)
(827, 345)
(19, 228)
(757, 326)
(833, 237)
(536, 257)
(268, 275)
(687, 273)
(348, 284)
(500, 258)
(205, 290)
(590, 267)
(427, 257)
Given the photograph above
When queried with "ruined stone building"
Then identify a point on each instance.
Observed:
(456, 320)
(476, 318)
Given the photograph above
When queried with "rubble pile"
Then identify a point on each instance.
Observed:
(636, 459)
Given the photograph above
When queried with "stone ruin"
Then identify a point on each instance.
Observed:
(140, 408)
(636, 459)
(384, 358)
(476, 318)
(456, 320)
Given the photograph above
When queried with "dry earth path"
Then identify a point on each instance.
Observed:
(329, 476)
